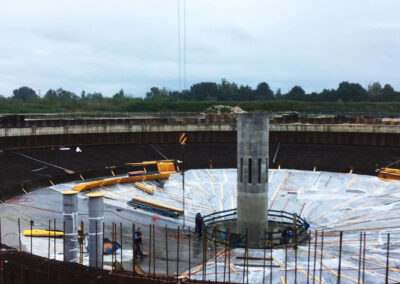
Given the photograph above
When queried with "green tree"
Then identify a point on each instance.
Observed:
(204, 91)
(296, 94)
(351, 92)
(25, 94)
(263, 92)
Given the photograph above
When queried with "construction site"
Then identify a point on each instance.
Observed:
(283, 198)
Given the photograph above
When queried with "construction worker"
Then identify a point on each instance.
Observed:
(199, 225)
(138, 243)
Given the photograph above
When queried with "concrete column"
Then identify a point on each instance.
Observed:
(96, 216)
(70, 211)
(252, 175)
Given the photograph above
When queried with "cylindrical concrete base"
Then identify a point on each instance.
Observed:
(70, 211)
(96, 219)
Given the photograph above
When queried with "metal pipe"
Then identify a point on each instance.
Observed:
(96, 234)
(70, 212)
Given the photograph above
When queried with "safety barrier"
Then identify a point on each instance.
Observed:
(284, 220)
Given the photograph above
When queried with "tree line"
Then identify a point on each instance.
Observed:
(202, 94)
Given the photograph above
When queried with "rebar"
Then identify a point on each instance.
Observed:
(150, 229)
(365, 248)
(96, 245)
(133, 249)
(48, 248)
(340, 257)
(229, 256)
(265, 250)
(322, 254)
(31, 223)
(55, 251)
(215, 253)
(177, 254)
(387, 260)
(315, 254)
(308, 259)
(154, 251)
(121, 244)
(189, 253)
(166, 247)
(359, 258)
(270, 259)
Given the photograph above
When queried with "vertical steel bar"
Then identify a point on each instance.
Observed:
(103, 235)
(177, 253)
(154, 251)
(31, 223)
(215, 253)
(387, 259)
(285, 263)
(247, 256)
(189, 253)
(0, 236)
(120, 237)
(322, 254)
(340, 257)
(205, 252)
(229, 256)
(365, 248)
(80, 241)
(359, 259)
(55, 228)
(294, 229)
(96, 244)
(150, 229)
(309, 257)
(64, 241)
(315, 254)
(133, 249)
(166, 248)
(265, 251)
(270, 260)
(225, 259)
(112, 247)
(244, 260)
(48, 248)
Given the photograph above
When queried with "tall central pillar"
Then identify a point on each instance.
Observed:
(252, 175)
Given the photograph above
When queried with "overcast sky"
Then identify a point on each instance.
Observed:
(106, 46)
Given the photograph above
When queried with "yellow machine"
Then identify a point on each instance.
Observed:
(388, 174)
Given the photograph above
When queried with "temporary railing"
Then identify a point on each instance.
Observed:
(284, 236)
